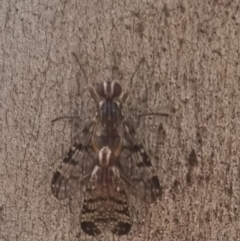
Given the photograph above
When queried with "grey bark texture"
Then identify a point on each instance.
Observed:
(191, 71)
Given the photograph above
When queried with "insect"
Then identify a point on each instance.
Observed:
(105, 204)
(95, 161)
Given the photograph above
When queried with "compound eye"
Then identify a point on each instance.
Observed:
(109, 90)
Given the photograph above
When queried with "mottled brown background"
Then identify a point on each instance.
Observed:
(191, 71)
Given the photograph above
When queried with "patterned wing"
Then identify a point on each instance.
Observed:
(105, 206)
(137, 168)
(75, 166)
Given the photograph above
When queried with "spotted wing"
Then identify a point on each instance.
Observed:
(75, 166)
(105, 208)
(136, 167)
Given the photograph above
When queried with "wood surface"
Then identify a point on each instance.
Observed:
(191, 71)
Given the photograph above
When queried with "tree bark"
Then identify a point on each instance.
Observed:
(191, 70)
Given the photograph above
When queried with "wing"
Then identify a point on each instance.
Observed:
(136, 168)
(105, 208)
(76, 166)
